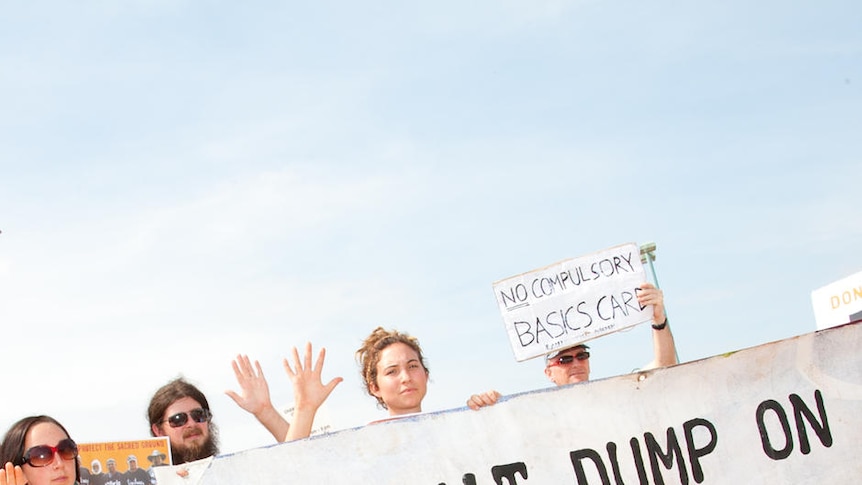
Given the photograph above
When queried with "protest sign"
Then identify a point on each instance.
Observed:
(572, 301)
(122, 462)
(784, 412)
(839, 302)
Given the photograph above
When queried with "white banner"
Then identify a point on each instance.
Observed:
(572, 301)
(784, 412)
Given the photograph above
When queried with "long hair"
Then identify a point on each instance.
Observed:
(368, 356)
(12, 448)
(169, 394)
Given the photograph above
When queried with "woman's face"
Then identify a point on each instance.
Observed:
(401, 379)
(59, 471)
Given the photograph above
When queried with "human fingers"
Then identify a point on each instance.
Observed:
(321, 357)
(475, 402)
(330, 386)
(12, 475)
(245, 365)
(20, 479)
(490, 397)
(258, 369)
(231, 394)
(236, 370)
(307, 356)
(286, 364)
(649, 296)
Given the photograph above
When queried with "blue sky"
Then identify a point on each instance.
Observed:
(184, 181)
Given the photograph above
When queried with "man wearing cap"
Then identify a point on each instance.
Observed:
(572, 364)
(135, 475)
(113, 477)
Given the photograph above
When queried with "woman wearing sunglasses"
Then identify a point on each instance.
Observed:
(37, 450)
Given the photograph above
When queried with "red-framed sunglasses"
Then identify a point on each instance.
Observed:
(569, 358)
(43, 455)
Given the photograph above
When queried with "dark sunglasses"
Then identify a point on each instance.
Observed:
(198, 415)
(43, 455)
(569, 358)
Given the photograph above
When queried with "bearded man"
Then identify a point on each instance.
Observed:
(181, 412)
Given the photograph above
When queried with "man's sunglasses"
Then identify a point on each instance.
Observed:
(569, 358)
(43, 455)
(198, 415)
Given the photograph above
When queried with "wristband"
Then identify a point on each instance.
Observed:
(660, 326)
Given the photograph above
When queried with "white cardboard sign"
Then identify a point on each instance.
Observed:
(783, 412)
(572, 301)
(839, 302)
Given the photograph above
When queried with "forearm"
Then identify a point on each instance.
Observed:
(274, 422)
(303, 420)
(664, 348)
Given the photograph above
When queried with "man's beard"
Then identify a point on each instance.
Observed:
(196, 451)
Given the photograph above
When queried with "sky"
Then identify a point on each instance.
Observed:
(182, 182)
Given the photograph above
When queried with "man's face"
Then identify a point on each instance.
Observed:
(112, 467)
(189, 440)
(569, 367)
(133, 465)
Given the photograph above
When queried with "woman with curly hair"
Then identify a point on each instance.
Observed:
(395, 373)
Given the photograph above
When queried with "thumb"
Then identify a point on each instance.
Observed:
(331, 384)
(234, 396)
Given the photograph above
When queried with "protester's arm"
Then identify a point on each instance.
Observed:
(12, 475)
(478, 401)
(308, 391)
(255, 397)
(664, 348)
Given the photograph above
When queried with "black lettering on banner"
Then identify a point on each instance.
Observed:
(556, 319)
(582, 312)
(800, 411)
(639, 461)
(771, 451)
(642, 307)
(517, 296)
(553, 325)
(615, 463)
(821, 428)
(580, 474)
(667, 459)
(500, 472)
(655, 452)
(469, 479)
(519, 327)
(581, 278)
(695, 454)
(599, 309)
